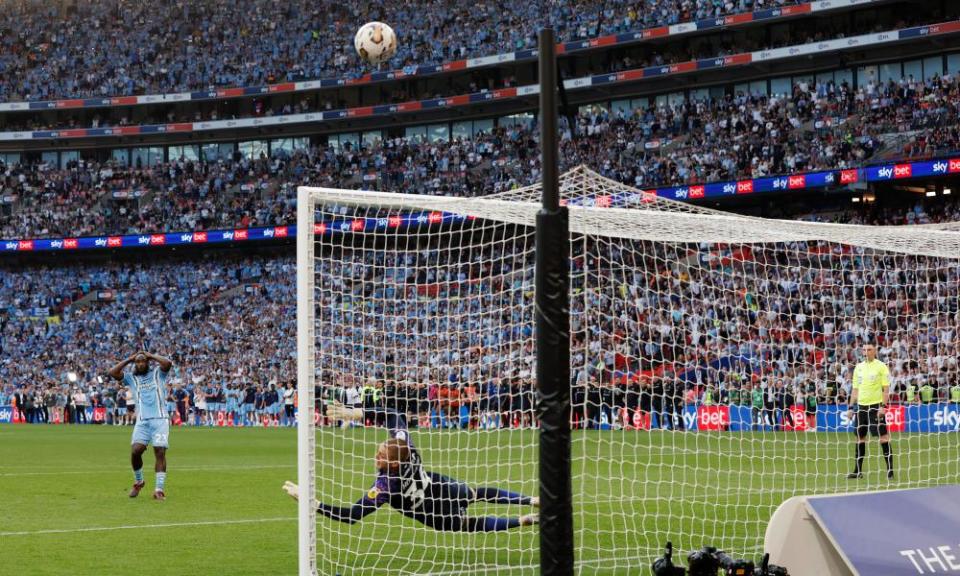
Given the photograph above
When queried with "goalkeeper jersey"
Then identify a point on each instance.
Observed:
(429, 498)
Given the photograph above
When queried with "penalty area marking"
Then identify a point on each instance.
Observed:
(145, 526)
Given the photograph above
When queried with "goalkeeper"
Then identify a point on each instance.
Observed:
(427, 497)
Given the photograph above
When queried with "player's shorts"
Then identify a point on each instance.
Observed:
(233, 407)
(155, 431)
(454, 493)
(869, 420)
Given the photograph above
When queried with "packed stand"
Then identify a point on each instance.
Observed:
(640, 57)
(90, 49)
(825, 126)
(447, 336)
(229, 325)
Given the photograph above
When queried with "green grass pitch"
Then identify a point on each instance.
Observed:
(65, 510)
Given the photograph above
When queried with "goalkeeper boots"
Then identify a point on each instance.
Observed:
(854, 475)
(137, 487)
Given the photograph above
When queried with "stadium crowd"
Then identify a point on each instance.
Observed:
(479, 81)
(450, 339)
(228, 323)
(88, 49)
(818, 126)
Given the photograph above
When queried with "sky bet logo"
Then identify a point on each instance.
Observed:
(25, 245)
(946, 418)
(681, 193)
(954, 165)
(239, 234)
(114, 242)
(885, 173)
(895, 418)
(849, 176)
(696, 192)
(71, 244)
(940, 167)
(903, 171)
(797, 182)
(10, 245)
(729, 188)
(6, 415)
(745, 187)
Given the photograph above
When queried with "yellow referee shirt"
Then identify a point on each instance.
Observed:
(870, 378)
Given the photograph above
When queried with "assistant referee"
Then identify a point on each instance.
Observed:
(871, 391)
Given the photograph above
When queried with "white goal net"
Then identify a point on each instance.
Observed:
(711, 361)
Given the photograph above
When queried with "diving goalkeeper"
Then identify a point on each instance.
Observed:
(427, 497)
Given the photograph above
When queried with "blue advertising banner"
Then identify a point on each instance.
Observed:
(921, 418)
(894, 533)
(6, 414)
(784, 183)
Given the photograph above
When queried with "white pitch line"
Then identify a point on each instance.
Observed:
(147, 526)
(127, 469)
(488, 568)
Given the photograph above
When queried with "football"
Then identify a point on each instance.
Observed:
(375, 42)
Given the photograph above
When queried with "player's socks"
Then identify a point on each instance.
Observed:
(138, 476)
(498, 496)
(161, 480)
(888, 457)
(490, 524)
(861, 452)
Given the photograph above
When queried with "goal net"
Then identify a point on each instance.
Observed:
(711, 361)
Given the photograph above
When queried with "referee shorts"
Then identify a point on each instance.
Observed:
(868, 419)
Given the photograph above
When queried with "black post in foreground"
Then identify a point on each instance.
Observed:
(553, 336)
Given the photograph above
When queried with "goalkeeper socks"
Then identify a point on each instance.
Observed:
(161, 480)
(887, 454)
(138, 476)
(489, 524)
(861, 452)
(498, 496)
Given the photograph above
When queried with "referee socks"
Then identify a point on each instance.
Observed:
(888, 456)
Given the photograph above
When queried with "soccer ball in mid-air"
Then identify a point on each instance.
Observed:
(375, 42)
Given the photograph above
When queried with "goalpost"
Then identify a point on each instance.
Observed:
(677, 313)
